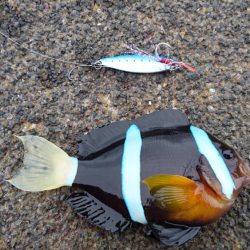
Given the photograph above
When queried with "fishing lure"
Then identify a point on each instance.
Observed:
(138, 61)
(157, 170)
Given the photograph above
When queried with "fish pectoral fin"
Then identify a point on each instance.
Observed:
(97, 213)
(174, 192)
(172, 234)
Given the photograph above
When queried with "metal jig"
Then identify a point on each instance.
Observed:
(138, 61)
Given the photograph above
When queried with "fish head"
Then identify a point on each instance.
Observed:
(238, 169)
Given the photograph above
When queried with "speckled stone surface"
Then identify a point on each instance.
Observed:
(37, 98)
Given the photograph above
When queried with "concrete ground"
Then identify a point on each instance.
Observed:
(36, 97)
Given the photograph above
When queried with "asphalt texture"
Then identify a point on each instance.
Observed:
(36, 97)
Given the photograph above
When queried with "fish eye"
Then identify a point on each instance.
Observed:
(228, 154)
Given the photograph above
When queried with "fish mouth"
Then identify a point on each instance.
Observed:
(245, 172)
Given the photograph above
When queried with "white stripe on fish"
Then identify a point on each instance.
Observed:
(215, 160)
(131, 180)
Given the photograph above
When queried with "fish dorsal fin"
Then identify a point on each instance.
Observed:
(173, 193)
(101, 138)
(173, 234)
(97, 213)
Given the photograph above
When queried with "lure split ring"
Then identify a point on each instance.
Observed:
(96, 65)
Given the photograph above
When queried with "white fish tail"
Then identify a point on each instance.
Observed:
(45, 166)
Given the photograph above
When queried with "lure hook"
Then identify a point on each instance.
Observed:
(157, 48)
(175, 64)
(70, 72)
(96, 65)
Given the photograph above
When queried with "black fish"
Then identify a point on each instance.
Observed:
(157, 170)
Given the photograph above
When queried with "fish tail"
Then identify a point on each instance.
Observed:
(45, 166)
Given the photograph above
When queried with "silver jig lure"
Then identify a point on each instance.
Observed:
(139, 61)
(136, 61)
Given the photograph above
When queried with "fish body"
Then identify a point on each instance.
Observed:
(157, 170)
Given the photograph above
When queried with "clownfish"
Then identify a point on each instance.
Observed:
(158, 170)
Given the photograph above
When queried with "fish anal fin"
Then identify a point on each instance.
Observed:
(174, 193)
(97, 213)
(171, 234)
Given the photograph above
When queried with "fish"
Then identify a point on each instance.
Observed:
(158, 170)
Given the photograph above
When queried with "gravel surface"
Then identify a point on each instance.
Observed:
(37, 98)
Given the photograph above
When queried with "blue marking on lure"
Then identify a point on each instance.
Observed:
(215, 160)
(131, 180)
(135, 63)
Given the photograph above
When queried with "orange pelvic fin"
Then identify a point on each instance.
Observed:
(173, 192)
